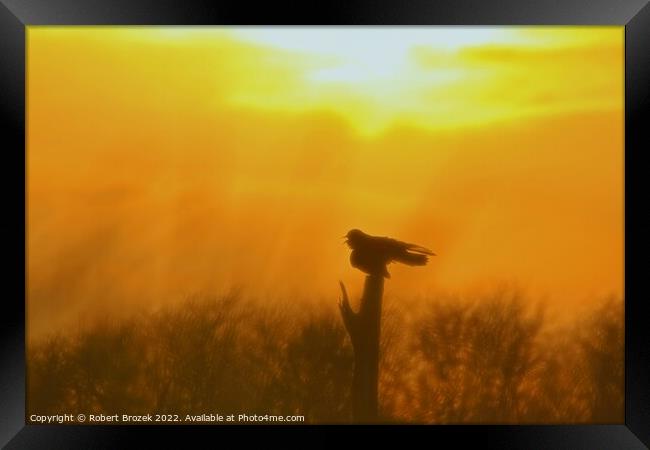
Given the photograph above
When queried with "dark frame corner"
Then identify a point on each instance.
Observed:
(16, 15)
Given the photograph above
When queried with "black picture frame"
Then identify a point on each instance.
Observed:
(16, 15)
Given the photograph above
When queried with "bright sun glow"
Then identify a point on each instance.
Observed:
(363, 55)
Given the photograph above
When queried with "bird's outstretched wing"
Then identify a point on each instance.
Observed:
(407, 246)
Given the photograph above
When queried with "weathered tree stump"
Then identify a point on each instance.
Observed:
(364, 329)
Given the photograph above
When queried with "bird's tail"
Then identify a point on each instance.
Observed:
(412, 259)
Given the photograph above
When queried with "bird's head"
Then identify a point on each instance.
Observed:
(353, 236)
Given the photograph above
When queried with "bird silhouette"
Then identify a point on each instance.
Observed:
(371, 254)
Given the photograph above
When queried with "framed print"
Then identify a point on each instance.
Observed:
(425, 219)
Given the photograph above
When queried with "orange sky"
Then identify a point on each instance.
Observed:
(164, 162)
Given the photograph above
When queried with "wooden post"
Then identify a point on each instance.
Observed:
(364, 329)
